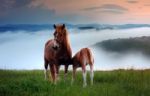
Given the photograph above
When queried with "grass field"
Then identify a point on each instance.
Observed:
(106, 83)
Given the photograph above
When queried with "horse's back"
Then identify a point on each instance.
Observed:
(87, 54)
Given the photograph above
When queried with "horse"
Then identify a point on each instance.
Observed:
(57, 52)
(65, 53)
(81, 59)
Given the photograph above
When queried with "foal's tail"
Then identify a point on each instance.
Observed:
(90, 56)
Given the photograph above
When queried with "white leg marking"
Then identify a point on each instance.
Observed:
(73, 76)
(84, 79)
(72, 80)
(91, 76)
(65, 77)
(57, 76)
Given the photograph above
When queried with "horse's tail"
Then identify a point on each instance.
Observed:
(90, 56)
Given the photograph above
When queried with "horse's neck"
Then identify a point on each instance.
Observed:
(67, 47)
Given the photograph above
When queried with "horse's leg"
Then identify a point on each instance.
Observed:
(66, 71)
(91, 73)
(57, 71)
(53, 72)
(46, 67)
(84, 74)
(73, 74)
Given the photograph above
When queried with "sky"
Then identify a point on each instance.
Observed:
(74, 11)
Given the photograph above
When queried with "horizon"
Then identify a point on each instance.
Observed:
(76, 24)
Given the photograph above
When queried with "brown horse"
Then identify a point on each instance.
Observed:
(65, 53)
(81, 59)
(57, 52)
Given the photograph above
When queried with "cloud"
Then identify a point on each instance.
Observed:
(35, 11)
(28, 15)
(8, 5)
(147, 5)
(21, 3)
(5, 5)
(91, 8)
(132, 1)
(18, 11)
(112, 11)
(110, 8)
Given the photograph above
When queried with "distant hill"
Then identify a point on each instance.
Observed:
(38, 27)
(109, 27)
(141, 44)
(28, 27)
(23, 27)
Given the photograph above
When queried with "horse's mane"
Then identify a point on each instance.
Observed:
(67, 44)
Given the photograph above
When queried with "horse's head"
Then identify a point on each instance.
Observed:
(61, 36)
(60, 33)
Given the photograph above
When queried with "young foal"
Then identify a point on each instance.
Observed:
(81, 59)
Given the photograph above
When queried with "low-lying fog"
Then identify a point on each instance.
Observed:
(24, 50)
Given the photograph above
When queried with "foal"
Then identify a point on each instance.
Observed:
(81, 59)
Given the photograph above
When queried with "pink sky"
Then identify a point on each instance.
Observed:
(82, 11)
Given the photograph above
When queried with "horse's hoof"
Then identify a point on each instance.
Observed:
(58, 78)
(84, 85)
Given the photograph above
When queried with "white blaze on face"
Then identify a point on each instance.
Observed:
(55, 44)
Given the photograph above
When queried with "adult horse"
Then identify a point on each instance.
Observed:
(60, 53)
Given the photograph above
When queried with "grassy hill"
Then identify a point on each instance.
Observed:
(141, 44)
(106, 83)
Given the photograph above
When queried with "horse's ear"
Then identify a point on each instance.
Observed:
(63, 26)
(54, 26)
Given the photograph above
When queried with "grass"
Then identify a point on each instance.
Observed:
(106, 83)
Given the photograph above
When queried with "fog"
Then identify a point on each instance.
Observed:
(111, 61)
(24, 50)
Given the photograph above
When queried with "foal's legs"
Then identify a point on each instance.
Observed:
(91, 73)
(84, 75)
(46, 67)
(53, 72)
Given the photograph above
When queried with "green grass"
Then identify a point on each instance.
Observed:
(106, 83)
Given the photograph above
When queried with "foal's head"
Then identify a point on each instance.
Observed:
(60, 33)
